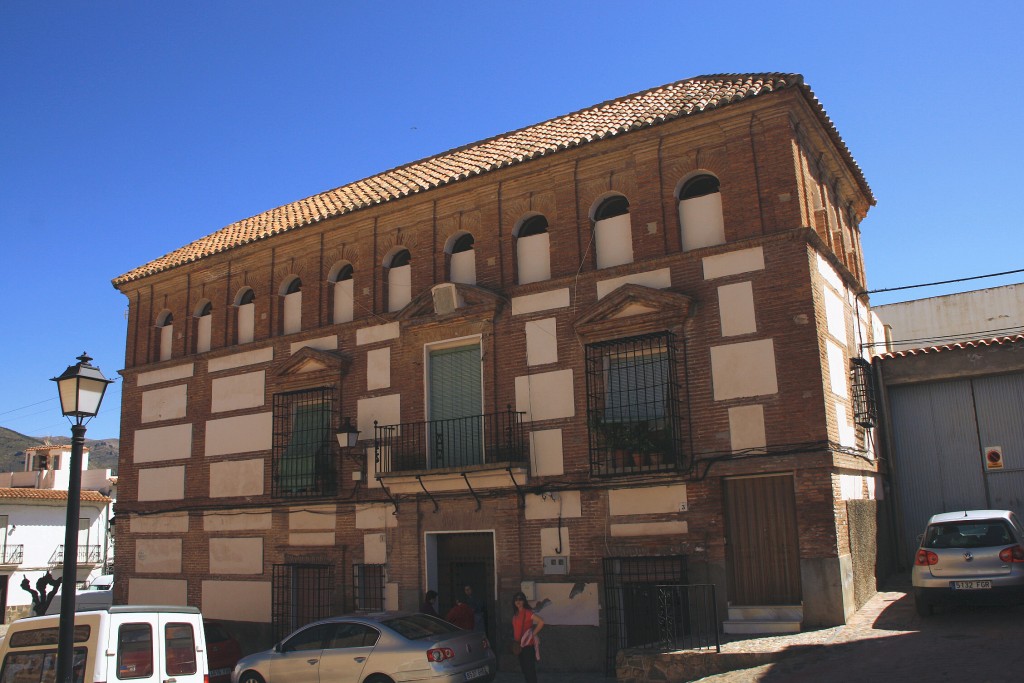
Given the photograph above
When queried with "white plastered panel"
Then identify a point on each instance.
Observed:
(377, 333)
(613, 241)
(168, 403)
(463, 267)
(702, 222)
(236, 555)
(546, 395)
(378, 369)
(744, 369)
(238, 391)
(541, 342)
(292, 313)
(375, 549)
(157, 591)
(236, 478)
(399, 287)
(328, 343)
(746, 428)
(375, 516)
(163, 443)
(533, 256)
(158, 555)
(835, 316)
(736, 309)
(240, 360)
(230, 520)
(648, 529)
(165, 374)
(564, 504)
(647, 500)
(733, 263)
(546, 452)
(837, 369)
(162, 483)
(543, 301)
(386, 410)
(655, 279)
(237, 600)
(318, 517)
(239, 434)
(555, 542)
(567, 605)
(343, 298)
(162, 523)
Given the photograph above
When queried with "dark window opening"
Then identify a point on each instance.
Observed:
(302, 594)
(698, 187)
(206, 310)
(294, 286)
(534, 225)
(463, 243)
(248, 296)
(344, 274)
(612, 207)
(402, 258)
(632, 405)
(302, 444)
(368, 587)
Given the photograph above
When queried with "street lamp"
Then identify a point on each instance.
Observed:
(81, 390)
(348, 435)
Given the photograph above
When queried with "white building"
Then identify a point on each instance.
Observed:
(33, 511)
(966, 316)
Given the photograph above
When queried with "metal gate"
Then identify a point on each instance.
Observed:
(940, 431)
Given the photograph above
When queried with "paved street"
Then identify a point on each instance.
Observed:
(887, 641)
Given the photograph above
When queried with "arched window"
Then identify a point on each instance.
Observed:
(533, 250)
(461, 259)
(700, 213)
(343, 293)
(165, 340)
(399, 279)
(204, 325)
(291, 305)
(613, 233)
(245, 308)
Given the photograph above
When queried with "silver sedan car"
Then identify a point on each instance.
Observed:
(382, 647)
(973, 556)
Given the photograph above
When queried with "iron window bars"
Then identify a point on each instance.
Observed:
(368, 587)
(302, 462)
(633, 405)
(302, 593)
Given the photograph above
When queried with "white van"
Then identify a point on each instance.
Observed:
(136, 643)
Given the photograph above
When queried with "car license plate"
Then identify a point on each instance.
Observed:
(476, 673)
(971, 585)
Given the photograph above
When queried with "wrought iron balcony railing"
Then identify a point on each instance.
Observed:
(12, 554)
(459, 442)
(87, 554)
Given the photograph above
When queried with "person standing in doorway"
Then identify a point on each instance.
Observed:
(479, 613)
(461, 615)
(525, 627)
(429, 605)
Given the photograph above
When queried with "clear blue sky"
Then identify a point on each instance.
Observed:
(128, 129)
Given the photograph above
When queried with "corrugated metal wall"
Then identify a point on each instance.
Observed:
(939, 431)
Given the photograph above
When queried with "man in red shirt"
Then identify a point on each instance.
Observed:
(461, 615)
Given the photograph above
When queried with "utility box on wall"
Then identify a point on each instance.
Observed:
(556, 565)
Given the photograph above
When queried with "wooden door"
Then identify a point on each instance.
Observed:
(762, 552)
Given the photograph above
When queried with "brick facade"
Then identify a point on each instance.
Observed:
(787, 198)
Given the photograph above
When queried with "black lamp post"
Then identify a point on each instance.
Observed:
(348, 435)
(81, 390)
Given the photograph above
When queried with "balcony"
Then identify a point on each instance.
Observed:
(11, 555)
(87, 554)
(462, 443)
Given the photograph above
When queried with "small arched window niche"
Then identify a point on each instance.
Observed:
(291, 305)
(613, 233)
(399, 278)
(165, 335)
(204, 325)
(342, 293)
(245, 315)
(533, 250)
(461, 259)
(700, 212)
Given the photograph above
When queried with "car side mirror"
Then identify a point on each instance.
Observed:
(277, 648)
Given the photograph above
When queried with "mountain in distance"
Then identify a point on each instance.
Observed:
(103, 453)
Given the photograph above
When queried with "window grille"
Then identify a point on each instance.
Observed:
(303, 465)
(302, 593)
(368, 587)
(632, 405)
(865, 405)
(631, 596)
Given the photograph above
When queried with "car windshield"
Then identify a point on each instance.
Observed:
(419, 626)
(968, 534)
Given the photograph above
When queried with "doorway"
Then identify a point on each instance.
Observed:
(461, 559)
(761, 549)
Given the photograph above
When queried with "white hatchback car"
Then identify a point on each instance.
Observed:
(972, 556)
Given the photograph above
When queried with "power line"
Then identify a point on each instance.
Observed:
(944, 282)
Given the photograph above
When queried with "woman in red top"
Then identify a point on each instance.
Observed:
(525, 627)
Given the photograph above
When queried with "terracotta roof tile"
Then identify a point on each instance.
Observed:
(632, 112)
(970, 344)
(51, 494)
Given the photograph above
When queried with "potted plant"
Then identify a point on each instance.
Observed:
(614, 438)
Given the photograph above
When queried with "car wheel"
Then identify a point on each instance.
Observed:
(924, 608)
(250, 677)
(378, 678)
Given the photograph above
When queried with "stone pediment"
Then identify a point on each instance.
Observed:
(452, 300)
(633, 309)
(308, 359)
